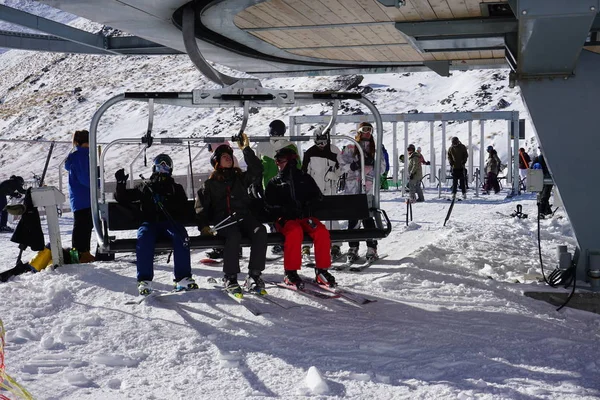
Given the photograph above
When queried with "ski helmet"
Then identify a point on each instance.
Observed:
(219, 151)
(286, 154)
(277, 128)
(162, 164)
(411, 147)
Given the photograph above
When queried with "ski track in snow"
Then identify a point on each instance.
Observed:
(449, 322)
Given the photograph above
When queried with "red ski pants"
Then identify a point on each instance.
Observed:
(293, 230)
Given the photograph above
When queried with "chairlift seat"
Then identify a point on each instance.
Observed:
(338, 207)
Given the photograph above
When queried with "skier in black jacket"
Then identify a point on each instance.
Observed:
(162, 204)
(289, 197)
(225, 197)
(12, 187)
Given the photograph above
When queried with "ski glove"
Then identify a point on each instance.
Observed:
(354, 166)
(243, 141)
(369, 161)
(411, 176)
(207, 231)
(121, 177)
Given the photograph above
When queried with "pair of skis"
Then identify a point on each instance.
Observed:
(324, 292)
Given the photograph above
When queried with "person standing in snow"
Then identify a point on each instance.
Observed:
(524, 163)
(163, 205)
(492, 169)
(415, 174)
(422, 157)
(12, 187)
(266, 152)
(544, 207)
(322, 162)
(78, 166)
(289, 197)
(384, 179)
(457, 157)
(351, 166)
(225, 197)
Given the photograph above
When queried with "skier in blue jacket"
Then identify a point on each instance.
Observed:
(78, 166)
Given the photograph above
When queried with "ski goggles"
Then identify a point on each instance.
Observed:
(280, 161)
(163, 168)
(365, 129)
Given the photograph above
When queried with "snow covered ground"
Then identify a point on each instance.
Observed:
(449, 322)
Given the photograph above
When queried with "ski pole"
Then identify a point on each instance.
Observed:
(184, 236)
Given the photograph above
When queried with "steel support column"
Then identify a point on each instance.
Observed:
(564, 113)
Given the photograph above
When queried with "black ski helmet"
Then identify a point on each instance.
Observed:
(287, 154)
(216, 156)
(162, 159)
(277, 128)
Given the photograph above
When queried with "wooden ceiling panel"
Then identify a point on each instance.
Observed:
(301, 10)
(372, 8)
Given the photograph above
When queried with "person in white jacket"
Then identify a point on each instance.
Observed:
(322, 161)
(351, 167)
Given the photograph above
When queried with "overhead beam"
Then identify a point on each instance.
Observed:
(66, 39)
(459, 27)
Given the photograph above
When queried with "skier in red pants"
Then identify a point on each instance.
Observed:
(289, 197)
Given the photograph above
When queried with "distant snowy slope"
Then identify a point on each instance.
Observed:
(48, 96)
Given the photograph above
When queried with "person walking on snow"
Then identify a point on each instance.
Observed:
(351, 166)
(524, 163)
(78, 166)
(289, 197)
(492, 169)
(266, 152)
(415, 174)
(322, 162)
(12, 187)
(543, 199)
(225, 197)
(457, 157)
(162, 205)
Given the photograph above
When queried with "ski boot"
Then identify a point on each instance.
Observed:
(187, 283)
(277, 249)
(232, 286)
(144, 287)
(215, 253)
(324, 278)
(255, 284)
(372, 254)
(292, 278)
(335, 252)
(352, 255)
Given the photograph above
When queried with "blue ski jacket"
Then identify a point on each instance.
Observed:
(78, 166)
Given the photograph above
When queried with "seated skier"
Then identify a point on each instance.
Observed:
(288, 197)
(162, 203)
(225, 197)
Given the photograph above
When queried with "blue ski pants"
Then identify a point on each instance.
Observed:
(147, 234)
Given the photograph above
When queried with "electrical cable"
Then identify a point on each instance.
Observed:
(558, 276)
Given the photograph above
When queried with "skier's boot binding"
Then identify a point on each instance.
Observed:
(335, 252)
(277, 249)
(255, 284)
(187, 283)
(232, 286)
(145, 287)
(292, 278)
(325, 278)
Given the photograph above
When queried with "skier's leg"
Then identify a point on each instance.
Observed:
(321, 239)
(454, 181)
(369, 223)
(144, 251)
(181, 253)
(292, 258)
(252, 228)
(231, 258)
(354, 224)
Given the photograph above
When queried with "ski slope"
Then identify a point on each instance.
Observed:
(449, 322)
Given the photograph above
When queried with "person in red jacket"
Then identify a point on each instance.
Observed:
(289, 197)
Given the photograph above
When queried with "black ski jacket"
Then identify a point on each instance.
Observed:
(291, 194)
(226, 192)
(11, 187)
(146, 202)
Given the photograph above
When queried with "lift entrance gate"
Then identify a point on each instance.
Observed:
(512, 139)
